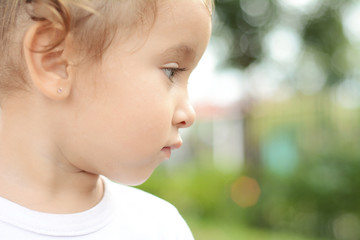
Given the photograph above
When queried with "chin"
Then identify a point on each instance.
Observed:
(137, 183)
(130, 180)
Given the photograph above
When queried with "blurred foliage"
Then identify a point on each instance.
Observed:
(243, 38)
(320, 195)
(244, 24)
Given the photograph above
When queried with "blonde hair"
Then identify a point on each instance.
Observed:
(92, 23)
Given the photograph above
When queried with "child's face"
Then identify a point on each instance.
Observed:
(126, 113)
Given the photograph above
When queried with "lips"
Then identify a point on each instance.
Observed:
(167, 152)
(176, 145)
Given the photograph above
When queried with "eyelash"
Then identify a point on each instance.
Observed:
(173, 72)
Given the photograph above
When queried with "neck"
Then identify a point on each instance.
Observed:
(35, 174)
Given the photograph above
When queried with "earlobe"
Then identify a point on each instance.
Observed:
(48, 69)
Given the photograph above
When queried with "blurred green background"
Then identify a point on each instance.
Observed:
(275, 150)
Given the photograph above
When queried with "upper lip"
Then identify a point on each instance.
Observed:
(175, 145)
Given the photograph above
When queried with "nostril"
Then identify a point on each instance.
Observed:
(184, 116)
(182, 124)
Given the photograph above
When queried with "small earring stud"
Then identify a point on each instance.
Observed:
(59, 91)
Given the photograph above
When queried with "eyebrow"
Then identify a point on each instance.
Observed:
(182, 51)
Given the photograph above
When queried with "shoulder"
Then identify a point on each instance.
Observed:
(138, 198)
(150, 213)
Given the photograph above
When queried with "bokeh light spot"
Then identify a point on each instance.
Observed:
(279, 153)
(245, 192)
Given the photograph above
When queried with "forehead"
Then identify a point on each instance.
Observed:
(180, 9)
(181, 30)
(208, 4)
(183, 26)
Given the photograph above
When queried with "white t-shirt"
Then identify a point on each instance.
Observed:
(124, 213)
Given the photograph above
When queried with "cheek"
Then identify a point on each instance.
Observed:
(123, 123)
(121, 140)
(144, 123)
(132, 119)
(144, 110)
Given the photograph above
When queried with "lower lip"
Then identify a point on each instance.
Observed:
(167, 152)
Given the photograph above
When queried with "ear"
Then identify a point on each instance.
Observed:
(48, 69)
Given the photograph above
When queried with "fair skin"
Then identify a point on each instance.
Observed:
(119, 118)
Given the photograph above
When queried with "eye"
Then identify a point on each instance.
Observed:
(171, 70)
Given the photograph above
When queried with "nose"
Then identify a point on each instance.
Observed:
(184, 115)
